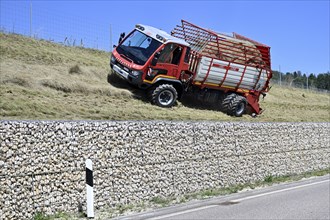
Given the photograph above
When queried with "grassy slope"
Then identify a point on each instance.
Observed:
(42, 80)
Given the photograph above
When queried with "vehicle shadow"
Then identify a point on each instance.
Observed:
(120, 83)
(189, 99)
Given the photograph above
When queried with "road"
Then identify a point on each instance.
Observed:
(307, 199)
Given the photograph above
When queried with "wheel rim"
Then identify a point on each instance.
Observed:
(240, 108)
(165, 98)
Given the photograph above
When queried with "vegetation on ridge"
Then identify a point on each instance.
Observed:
(44, 80)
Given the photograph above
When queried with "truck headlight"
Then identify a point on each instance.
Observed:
(113, 59)
(136, 73)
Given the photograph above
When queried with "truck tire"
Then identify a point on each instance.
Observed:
(234, 105)
(164, 95)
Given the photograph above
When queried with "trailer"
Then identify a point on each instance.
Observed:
(228, 70)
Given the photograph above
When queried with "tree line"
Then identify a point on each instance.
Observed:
(297, 79)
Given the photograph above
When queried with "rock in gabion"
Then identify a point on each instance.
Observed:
(42, 163)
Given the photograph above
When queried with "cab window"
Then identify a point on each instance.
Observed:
(171, 54)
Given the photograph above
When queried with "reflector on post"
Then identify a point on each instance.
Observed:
(89, 189)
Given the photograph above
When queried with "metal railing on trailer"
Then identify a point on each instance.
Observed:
(235, 49)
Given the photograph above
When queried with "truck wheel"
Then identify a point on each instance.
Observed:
(164, 95)
(234, 105)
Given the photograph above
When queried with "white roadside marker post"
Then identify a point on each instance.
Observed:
(89, 188)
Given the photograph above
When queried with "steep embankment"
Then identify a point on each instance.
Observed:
(43, 80)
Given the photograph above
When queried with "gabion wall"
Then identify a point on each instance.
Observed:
(42, 163)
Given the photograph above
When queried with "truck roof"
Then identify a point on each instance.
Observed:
(164, 37)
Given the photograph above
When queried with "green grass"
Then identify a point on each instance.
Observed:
(59, 215)
(161, 201)
(269, 179)
(123, 208)
(43, 80)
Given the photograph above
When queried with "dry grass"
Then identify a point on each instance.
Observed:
(292, 104)
(42, 80)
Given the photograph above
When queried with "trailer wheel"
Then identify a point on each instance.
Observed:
(165, 95)
(225, 105)
(234, 105)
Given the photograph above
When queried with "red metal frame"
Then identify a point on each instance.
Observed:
(253, 100)
(225, 76)
(219, 46)
(208, 71)
(216, 46)
(240, 81)
(255, 85)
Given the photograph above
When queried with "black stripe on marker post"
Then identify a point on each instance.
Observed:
(89, 177)
(89, 189)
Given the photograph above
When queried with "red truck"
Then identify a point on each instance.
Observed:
(228, 70)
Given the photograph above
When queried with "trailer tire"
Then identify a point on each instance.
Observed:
(234, 105)
(225, 105)
(164, 95)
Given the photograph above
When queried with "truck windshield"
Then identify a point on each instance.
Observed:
(138, 47)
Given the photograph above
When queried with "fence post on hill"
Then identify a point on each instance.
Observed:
(89, 188)
(30, 18)
(279, 70)
(110, 38)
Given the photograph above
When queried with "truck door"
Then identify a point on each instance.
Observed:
(168, 61)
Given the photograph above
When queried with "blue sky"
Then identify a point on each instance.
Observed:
(296, 31)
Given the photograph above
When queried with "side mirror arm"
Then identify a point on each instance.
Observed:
(122, 36)
(155, 59)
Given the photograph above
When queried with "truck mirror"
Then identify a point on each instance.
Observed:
(122, 35)
(155, 59)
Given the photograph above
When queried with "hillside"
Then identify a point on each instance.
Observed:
(43, 80)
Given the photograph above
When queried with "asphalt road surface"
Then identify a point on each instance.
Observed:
(306, 199)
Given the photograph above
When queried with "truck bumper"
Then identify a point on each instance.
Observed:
(120, 72)
(134, 80)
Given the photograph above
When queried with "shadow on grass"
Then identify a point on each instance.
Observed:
(189, 100)
(120, 83)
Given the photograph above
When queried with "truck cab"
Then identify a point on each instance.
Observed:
(148, 58)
